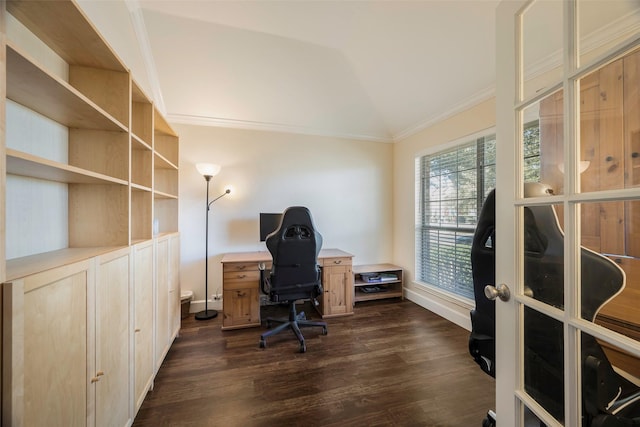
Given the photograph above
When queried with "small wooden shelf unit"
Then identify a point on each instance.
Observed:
(389, 284)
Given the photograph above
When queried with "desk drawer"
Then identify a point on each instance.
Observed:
(241, 276)
(330, 262)
(245, 284)
(239, 267)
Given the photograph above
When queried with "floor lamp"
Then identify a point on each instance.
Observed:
(208, 170)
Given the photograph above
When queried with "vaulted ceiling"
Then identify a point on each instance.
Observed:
(373, 70)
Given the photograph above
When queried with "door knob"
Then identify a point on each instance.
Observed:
(502, 292)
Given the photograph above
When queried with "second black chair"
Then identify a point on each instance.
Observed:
(295, 273)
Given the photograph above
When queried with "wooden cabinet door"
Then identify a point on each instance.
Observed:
(337, 283)
(69, 351)
(112, 375)
(143, 319)
(162, 299)
(174, 285)
(241, 305)
(49, 348)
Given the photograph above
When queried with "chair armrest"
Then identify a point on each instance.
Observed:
(265, 285)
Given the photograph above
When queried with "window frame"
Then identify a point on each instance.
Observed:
(477, 139)
(419, 281)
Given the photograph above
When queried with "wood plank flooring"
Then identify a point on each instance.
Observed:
(392, 363)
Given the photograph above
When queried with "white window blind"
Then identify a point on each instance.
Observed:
(452, 187)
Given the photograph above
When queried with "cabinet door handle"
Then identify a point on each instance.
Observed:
(97, 377)
(137, 330)
(635, 154)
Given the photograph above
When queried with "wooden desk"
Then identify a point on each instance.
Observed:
(241, 286)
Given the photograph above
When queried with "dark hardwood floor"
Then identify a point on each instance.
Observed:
(392, 363)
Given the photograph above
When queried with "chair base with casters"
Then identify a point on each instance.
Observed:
(293, 323)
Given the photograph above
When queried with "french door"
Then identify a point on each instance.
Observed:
(568, 219)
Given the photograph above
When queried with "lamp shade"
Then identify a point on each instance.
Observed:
(208, 169)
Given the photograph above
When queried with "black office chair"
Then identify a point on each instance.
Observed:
(609, 400)
(295, 273)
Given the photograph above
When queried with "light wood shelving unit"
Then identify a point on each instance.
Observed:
(88, 196)
(389, 286)
(165, 175)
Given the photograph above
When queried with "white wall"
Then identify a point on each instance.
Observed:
(471, 121)
(346, 184)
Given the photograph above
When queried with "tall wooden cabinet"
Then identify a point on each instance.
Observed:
(89, 244)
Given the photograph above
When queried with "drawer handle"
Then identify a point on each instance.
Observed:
(241, 267)
(241, 294)
(137, 330)
(241, 276)
(337, 261)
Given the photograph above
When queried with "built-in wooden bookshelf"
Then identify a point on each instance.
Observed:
(119, 162)
(91, 164)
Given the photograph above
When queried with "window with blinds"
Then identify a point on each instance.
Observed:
(452, 187)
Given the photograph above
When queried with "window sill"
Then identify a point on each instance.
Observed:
(462, 302)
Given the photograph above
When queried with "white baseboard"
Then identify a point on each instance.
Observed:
(197, 306)
(458, 315)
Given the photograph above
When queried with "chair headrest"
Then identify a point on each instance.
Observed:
(296, 226)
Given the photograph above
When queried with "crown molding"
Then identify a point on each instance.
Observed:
(472, 101)
(140, 30)
(264, 126)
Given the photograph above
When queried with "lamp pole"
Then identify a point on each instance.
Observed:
(208, 314)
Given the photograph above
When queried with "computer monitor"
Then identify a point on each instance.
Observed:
(269, 223)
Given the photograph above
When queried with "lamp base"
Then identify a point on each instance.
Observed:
(206, 314)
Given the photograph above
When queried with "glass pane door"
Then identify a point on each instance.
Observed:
(567, 213)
